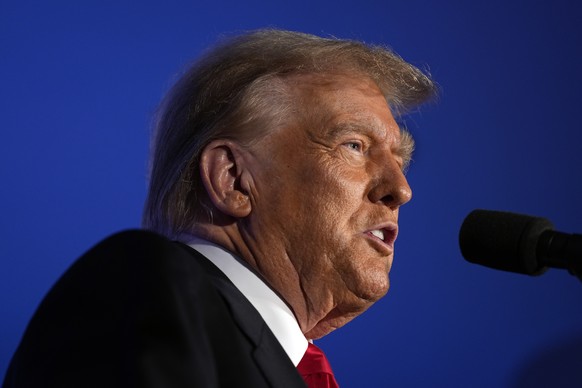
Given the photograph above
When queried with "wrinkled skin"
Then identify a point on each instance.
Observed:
(316, 189)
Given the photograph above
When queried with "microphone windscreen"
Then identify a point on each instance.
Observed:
(502, 240)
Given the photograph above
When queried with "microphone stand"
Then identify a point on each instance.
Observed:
(561, 250)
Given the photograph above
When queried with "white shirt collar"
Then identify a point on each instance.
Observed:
(276, 314)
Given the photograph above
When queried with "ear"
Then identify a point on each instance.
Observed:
(221, 168)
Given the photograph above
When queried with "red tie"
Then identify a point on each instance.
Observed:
(315, 369)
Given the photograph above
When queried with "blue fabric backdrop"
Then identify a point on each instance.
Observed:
(79, 82)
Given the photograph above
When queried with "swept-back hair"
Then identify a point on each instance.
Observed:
(237, 90)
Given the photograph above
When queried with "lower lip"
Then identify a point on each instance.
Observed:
(382, 246)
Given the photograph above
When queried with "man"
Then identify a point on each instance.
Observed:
(277, 171)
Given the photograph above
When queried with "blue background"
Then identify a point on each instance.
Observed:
(79, 82)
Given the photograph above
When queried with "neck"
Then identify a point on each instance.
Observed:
(316, 315)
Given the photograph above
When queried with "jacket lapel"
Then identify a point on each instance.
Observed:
(269, 355)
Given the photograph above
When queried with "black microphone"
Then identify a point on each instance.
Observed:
(518, 243)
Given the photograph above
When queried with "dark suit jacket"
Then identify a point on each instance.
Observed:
(140, 311)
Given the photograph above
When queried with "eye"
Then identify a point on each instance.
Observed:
(354, 146)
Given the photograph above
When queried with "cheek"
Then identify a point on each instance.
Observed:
(333, 183)
(314, 203)
(328, 204)
(340, 267)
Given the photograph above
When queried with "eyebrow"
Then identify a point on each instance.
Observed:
(403, 149)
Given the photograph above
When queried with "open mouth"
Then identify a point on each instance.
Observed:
(386, 235)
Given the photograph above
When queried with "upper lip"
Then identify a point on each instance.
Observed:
(390, 231)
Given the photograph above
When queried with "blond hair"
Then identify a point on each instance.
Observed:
(237, 88)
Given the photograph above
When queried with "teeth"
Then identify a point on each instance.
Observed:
(379, 234)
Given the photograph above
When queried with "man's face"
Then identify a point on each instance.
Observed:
(327, 189)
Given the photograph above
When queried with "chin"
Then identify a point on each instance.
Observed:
(378, 291)
(371, 286)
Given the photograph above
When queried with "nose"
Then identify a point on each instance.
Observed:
(391, 188)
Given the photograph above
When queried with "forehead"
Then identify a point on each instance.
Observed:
(332, 101)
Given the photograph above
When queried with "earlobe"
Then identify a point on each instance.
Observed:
(221, 168)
